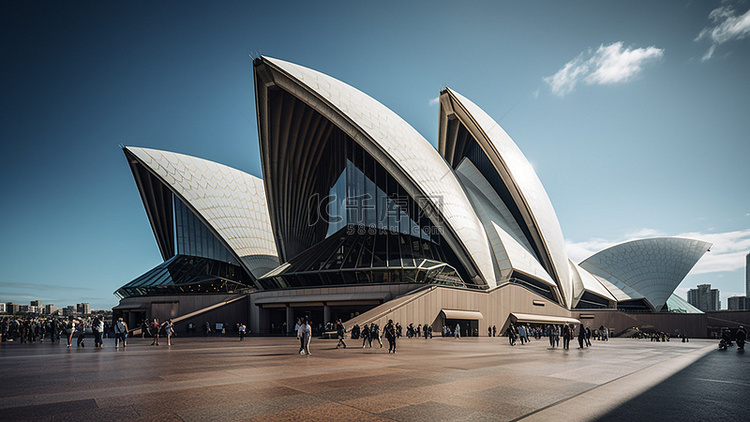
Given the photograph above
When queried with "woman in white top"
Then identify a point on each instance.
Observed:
(303, 334)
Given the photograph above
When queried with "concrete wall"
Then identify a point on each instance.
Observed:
(495, 306)
(231, 313)
(166, 307)
(692, 325)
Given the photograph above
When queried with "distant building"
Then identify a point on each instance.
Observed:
(23, 309)
(37, 303)
(2, 307)
(704, 298)
(69, 310)
(738, 303)
(83, 308)
(11, 308)
(50, 309)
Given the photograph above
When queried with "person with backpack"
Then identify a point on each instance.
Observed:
(340, 333)
(81, 330)
(121, 333)
(98, 329)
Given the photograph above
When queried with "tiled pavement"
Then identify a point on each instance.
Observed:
(265, 379)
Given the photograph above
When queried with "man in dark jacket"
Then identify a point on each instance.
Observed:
(740, 336)
(340, 333)
(581, 335)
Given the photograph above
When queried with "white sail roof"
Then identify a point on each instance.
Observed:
(230, 201)
(526, 185)
(646, 268)
(406, 149)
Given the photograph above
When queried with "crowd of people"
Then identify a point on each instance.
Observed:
(54, 330)
(554, 332)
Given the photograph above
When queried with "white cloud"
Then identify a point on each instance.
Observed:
(609, 64)
(727, 253)
(434, 101)
(727, 26)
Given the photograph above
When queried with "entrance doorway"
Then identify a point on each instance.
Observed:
(469, 327)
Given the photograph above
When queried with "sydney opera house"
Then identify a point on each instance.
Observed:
(359, 217)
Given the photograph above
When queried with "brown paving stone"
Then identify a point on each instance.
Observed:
(43, 411)
(220, 378)
(502, 411)
(122, 413)
(384, 402)
(434, 411)
(332, 412)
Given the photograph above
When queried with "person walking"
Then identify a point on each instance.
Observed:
(375, 334)
(81, 330)
(305, 331)
(241, 328)
(168, 330)
(71, 327)
(522, 334)
(98, 328)
(511, 332)
(366, 336)
(567, 334)
(740, 336)
(155, 326)
(121, 333)
(581, 335)
(390, 335)
(551, 335)
(457, 332)
(340, 333)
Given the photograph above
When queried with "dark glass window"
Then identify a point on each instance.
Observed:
(194, 238)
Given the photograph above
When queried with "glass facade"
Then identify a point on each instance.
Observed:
(188, 274)
(365, 195)
(193, 238)
(201, 264)
(371, 224)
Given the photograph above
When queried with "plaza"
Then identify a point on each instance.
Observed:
(263, 378)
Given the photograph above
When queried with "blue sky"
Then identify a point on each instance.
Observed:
(635, 116)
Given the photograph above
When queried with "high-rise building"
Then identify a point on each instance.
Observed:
(2, 307)
(37, 303)
(738, 303)
(50, 309)
(704, 298)
(11, 308)
(83, 308)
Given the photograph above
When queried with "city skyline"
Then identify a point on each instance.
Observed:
(632, 115)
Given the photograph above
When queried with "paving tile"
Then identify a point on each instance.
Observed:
(265, 378)
(433, 411)
(331, 412)
(44, 410)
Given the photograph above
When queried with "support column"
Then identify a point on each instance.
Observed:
(289, 320)
(326, 313)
